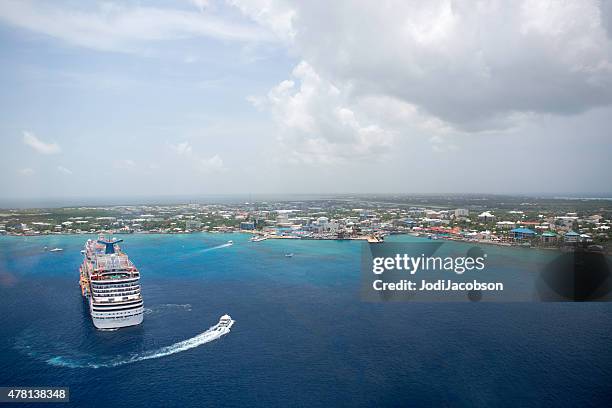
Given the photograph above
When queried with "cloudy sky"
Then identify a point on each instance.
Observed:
(109, 99)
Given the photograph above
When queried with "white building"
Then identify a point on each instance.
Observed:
(462, 213)
(193, 224)
(282, 218)
(566, 221)
(486, 216)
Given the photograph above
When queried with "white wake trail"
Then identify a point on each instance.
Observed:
(213, 333)
(217, 247)
(202, 338)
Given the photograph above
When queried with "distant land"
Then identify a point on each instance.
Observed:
(56, 202)
(546, 222)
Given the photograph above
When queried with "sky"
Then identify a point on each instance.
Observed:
(165, 98)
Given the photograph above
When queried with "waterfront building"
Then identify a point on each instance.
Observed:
(193, 224)
(409, 222)
(549, 237)
(282, 218)
(521, 234)
(245, 225)
(571, 237)
(485, 236)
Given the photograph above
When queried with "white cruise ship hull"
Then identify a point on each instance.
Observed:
(117, 322)
(113, 320)
(111, 284)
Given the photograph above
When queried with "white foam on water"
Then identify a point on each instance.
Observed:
(213, 333)
(217, 247)
(167, 307)
(186, 306)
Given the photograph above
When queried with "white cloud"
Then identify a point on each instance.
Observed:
(317, 123)
(212, 164)
(202, 5)
(27, 171)
(118, 27)
(124, 164)
(466, 66)
(41, 147)
(64, 170)
(183, 148)
(276, 15)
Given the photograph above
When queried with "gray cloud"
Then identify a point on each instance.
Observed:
(476, 66)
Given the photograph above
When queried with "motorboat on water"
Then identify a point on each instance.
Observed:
(290, 255)
(225, 323)
(56, 250)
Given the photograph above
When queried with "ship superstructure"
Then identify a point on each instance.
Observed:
(111, 284)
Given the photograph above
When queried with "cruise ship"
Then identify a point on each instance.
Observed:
(111, 285)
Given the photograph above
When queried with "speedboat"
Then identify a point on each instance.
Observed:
(289, 255)
(230, 242)
(225, 322)
(56, 250)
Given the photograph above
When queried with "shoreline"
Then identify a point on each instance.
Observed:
(368, 239)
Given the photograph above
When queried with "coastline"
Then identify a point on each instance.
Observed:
(294, 238)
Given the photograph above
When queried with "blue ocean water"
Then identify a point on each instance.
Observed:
(302, 337)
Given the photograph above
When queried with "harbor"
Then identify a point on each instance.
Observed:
(491, 220)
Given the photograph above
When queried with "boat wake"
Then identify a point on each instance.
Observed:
(168, 307)
(213, 333)
(217, 247)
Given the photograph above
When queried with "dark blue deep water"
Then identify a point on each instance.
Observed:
(302, 337)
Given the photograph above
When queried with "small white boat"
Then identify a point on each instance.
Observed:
(225, 323)
(230, 242)
(289, 255)
(56, 250)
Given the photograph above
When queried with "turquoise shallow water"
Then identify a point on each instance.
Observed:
(302, 337)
